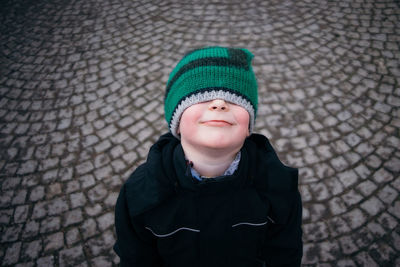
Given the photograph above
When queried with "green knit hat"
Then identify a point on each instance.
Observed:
(211, 73)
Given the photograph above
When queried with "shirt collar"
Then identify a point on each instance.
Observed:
(231, 169)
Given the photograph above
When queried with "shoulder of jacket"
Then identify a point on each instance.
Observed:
(271, 174)
(273, 180)
(148, 185)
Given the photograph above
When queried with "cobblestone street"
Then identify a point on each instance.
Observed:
(81, 101)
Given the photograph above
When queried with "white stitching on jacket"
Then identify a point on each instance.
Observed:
(173, 232)
(269, 218)
(251, 224)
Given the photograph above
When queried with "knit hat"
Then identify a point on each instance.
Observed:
(211, 73)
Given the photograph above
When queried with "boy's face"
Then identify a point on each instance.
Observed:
(214, 124)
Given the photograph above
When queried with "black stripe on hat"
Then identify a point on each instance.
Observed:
(237, 58)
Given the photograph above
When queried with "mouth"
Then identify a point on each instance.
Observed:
(217, 123)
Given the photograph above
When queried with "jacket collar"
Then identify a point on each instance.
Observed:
(210, 185)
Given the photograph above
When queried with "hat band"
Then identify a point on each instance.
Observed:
(208, 95)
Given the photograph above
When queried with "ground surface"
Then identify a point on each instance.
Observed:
(81, 102)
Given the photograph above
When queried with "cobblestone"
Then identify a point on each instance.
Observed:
(50, 224)
(54, 242)
(72, 256)
(12, 254)
(31, 250)
(81, 102)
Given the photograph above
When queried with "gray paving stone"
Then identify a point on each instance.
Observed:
(77, 200)
(337, 206)
(347, 245)
(352, 158)
(45, 261)
(311, 254)
(102, 146)
(54, 189)
(72, 217)
(105, 221)
(388, 195)
(355, 218)
(367, 188)
(372, 206)
(87, 181)
(12, 254)
(50, 224)
(53, 242)
(118, 165)
(90, 140)
(339, 163)
(362, 171)
(363, 238)
(21, 214)
(50, 176)
(5, 216)
(48, 163)
(352, 198)
(382, 176)
(31, 229)
(346, 262)
(84, 167)
(111, 199)
(57, 206)
(323, 170)
(71, 256)
(338, 226)
(72, 186)
(31, 250)
(396, 240)
(72, 236)
(37, 193)
(348, 178)
(10, 183)
(316, 231)
(329, 251)
(320, 192)
(5, 199)
(102, 243)
(384, 152)
(382, 253)
(11, 233)
(376, 229)
(89, 228)
(393, 165)
(27, 167)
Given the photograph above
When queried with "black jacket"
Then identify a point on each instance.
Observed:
(164, 217)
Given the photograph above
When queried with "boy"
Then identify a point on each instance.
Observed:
(210, 193)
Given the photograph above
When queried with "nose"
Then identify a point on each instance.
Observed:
(218, 105)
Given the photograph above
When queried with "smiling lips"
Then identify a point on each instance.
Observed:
(217, 123)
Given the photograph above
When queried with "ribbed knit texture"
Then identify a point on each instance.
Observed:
(211, 73)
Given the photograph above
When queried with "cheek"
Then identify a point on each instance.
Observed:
(188, 120)
(243, 120)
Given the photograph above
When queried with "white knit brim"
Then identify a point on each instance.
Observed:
(205, 96)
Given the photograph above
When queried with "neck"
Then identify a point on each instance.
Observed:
(210, 163)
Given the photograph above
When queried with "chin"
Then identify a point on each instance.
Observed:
(216, 145)
(222, 142)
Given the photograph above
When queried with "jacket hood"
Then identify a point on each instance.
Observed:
(153, 181)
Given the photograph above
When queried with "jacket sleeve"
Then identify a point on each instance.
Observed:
(134, 245)
(283, 245)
